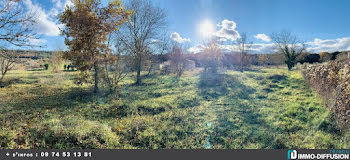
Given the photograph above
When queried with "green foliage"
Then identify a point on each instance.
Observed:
(87, 25)
(46, 65)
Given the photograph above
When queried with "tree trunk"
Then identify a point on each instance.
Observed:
(241, 63)
(96, 89)
(290, 66)
(2, 77)
(138, 76)
(150, 69)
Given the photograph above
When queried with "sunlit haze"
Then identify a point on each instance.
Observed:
(206, 29)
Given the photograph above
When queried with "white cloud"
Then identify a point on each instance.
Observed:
(69, 3)
(263, 37)
(37, 41)
(154, 40)
(177, 38)
(58, 3)
(228, 48)
(329, 45)
(316, 46)
(255, 48)
(53, 12)
(196, 49)
(228, 31)
(263, 48)
(45, 23)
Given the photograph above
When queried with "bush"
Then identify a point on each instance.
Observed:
(46, 66)
(211, 57)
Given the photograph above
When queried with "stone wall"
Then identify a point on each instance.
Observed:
(332, 82)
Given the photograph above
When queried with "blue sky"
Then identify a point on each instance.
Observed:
(323, 24)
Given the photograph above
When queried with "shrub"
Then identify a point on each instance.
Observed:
(211, 57)
(46, 66)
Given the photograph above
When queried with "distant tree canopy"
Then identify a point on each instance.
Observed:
(87, 25)
(334, 55)
(310, 58)
(325, 56)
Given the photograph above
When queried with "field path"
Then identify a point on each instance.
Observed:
(237, 117)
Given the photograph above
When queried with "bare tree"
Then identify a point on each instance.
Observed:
(7, 61)
(211, 56)
(177, 60)
(115, 72)
(16, 24)
(243, 46)
(162, 47)
(143, 33)
(16, 28)
(289, 45)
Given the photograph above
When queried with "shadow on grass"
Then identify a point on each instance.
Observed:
(214, 85)
(8, 83)
(146, 98)
(44, 99)
(239, 124)
(25, 113)
(255, 70)
(38, 69)
(243, 126)
(54, 98)
(69, 70)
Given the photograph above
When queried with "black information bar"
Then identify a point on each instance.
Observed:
(201, 154)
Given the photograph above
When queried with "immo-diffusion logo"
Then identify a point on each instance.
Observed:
(292, 154)
(333, 154)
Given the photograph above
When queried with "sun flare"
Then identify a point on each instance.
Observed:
(206, 29)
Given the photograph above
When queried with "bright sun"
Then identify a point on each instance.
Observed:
(206, 29)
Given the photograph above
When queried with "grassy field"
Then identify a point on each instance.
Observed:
(263, 108)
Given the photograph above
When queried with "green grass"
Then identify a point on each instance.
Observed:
(265, 108)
